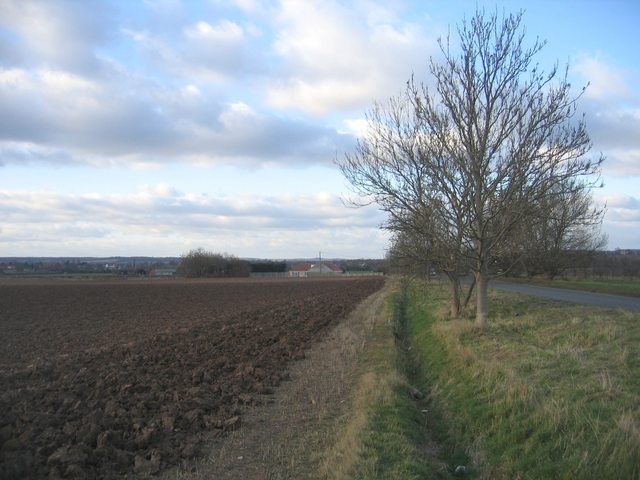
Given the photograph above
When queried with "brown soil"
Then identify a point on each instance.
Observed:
(290, 436)
(112, 379)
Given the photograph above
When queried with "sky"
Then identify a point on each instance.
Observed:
(153, 127)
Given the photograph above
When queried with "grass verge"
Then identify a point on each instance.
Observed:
(547, 391)
(393, 431)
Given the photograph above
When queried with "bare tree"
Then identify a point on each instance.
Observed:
(479, 154)
(421, 243)
(565, 235)
(412, 253)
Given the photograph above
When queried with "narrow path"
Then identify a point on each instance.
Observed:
(574, 296)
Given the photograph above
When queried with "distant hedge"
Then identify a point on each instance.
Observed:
(202, 263)
(268, 267)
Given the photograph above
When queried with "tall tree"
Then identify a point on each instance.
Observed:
(477, 155)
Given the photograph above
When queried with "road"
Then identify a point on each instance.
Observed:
(574, 296)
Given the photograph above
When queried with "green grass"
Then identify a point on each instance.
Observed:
(630, 288)
(390, 434)
(553, 392)
(391, 441)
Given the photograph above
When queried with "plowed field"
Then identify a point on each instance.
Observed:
(104, 380)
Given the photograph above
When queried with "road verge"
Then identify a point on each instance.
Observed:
(549, 390)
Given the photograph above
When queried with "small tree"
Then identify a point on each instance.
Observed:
(476, 157)
(566, 234)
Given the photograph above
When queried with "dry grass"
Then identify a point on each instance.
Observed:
(346, 452)
(376, 376)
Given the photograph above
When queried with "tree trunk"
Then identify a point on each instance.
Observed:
(482, 300)
(469, 293)
(454, 283)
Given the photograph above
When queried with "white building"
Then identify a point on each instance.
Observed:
(314, 269)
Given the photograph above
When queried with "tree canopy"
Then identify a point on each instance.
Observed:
(466, 166)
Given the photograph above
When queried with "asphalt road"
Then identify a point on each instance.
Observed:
(574, 296)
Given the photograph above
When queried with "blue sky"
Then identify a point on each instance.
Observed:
(157, 126)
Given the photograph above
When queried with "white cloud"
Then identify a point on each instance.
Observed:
(124, 120)
(243, 224)
(203, 51)
(358, 127)
(622, 162)
(621, 201)
(340, 58)
(226, 31)
(612, 111)
(614, 127)
(622, 219)
(606, 82)
(238, 115)
(61, 34)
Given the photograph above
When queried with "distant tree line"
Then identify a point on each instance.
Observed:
(586, 264)
(364, 265)
(202, 263)
(611, 265)
(570, 264)
(268, 267)
(94, 266)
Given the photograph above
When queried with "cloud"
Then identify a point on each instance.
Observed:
(203, 51)
(622, 201)
(340, 58)
(67, 103)
(606, 81)
(58, 109)
(622, 163)
(612, 110)
(622, 219)
(615, 128)
(49, 114)
(63, 34)
(164, 207)
(225, 32)
(243, 224)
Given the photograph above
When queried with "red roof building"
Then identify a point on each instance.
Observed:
(318, 268)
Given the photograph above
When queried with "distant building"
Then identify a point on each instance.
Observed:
(627, 251)
(163, 272)
(314, 269)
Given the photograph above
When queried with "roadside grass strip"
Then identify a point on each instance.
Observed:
(548, 390)
(391, 432)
